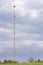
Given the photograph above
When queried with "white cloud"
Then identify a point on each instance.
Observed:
(3, 30)
(6, 44)
(19, 44)
(29, 36)
(33, 14)
(25, 6)
(21, 6)
(21, 34)
(6, 27)
(29, 43)
(26, 39)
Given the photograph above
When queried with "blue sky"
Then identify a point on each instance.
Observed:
(29, 29)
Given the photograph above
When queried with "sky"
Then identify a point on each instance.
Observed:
(29, 29)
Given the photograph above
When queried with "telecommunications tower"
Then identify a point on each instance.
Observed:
(14, 31)
(13, 24)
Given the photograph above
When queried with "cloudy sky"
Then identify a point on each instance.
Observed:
(29, 29)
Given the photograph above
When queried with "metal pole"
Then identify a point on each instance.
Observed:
(14, 32)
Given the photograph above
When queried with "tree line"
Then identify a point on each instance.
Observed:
(31, 59)
(8, 61)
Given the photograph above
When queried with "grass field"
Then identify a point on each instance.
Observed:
(24, 64)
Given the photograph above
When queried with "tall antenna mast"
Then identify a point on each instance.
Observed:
(14, 28)
(14, 31)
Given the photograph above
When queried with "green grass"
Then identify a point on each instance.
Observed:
(23, 64)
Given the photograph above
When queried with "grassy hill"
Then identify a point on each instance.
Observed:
(23, 64)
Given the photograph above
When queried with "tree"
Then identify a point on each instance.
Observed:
(5, 61)
(38, 60)
(0, 62)
(31, 59)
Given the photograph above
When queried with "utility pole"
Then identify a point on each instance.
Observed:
(14, 31)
